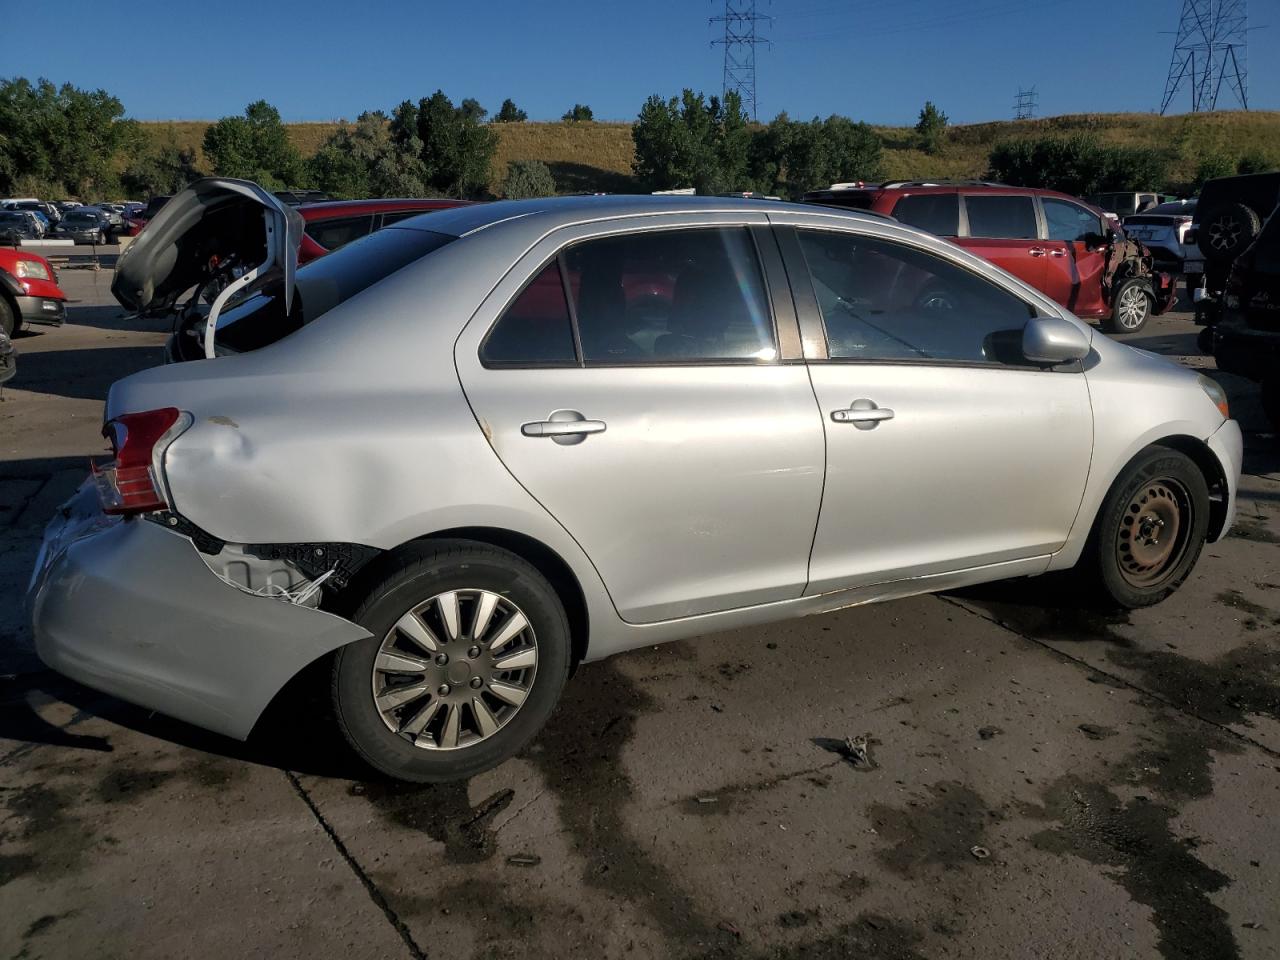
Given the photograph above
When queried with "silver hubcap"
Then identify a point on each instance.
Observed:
(1132, 308)
(454, 670)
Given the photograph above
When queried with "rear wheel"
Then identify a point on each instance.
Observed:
(469, 653)
(8, 318)
(1150, 530)
(1130, 307)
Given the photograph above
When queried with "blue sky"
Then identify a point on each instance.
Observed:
(876, 60)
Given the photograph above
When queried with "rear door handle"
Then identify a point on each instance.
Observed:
(564, 427)
(863, 414)
(1057, 253)
(1036, 251)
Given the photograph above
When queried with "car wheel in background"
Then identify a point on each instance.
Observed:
(1204, 341)
(469, 653)
(8, 318)
(1225, 231)
(1130, 307)
(1150, 530)
(101, 238)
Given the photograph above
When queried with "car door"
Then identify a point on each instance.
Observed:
(1004, 228)
(945, 449)
(1076, 259)
(636, 384)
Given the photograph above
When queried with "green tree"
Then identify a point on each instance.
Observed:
(931, 128)
(692, 142)
(510, 113)
(454, 148)
(255, 147)
(61, 140)
(472, 110)
(1211, 166)
(365, 160)
(791, 157)
(1077, 164)
(165, 168)
(1256, 161)
(526, 179)
(578, 113)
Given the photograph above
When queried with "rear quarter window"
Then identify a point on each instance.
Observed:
(999, 217)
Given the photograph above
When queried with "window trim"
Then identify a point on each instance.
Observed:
(812, 322)
(762, 266)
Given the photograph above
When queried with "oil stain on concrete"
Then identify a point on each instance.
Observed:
(443, 812)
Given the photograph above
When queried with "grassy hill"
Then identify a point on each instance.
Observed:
(597, 156)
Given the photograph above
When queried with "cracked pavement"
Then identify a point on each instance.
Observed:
(1041, 781)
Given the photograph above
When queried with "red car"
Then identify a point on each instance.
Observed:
(133, 223)
(1056, 243)
(29, 291)
(333, 223)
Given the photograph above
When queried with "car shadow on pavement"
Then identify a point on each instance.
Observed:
(80, 374)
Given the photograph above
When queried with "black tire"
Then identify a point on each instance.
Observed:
(1225, 231)
(1137, 291)
(1271, 399)
(8, 317)
(101, 238)
(429, 569)
(1122, 582)
(1204, 341)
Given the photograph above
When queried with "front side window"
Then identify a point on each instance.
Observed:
(332, 234)
(1000, 217)
(1069, 221)
(887, 301)
(938, 213)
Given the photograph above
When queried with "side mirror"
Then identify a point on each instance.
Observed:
(1053, 340)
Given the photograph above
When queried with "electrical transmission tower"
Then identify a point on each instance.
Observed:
(1210, 49)
(741, 37)
(1024, 108)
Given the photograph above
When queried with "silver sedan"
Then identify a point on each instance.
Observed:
(471, 450)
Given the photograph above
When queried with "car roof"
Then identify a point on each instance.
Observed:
(551, 213)
(321, 209)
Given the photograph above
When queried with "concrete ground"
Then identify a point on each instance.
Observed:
(1041, 781)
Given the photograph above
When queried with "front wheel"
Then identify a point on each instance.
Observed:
(469, 653)
(1150, 530)
(1130, 308)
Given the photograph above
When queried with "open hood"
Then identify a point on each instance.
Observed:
(212, 224)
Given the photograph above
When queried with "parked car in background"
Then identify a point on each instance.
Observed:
(29, 291)
(1246, 338)
(18, 225)
(85, 225)
(47, 213)
(335, 223)
(1163, 230)
(1228, 218)
(1124, 204)
(113, 212)
(454, 512)
(131, 209)
(1054, 242)
(133, 225)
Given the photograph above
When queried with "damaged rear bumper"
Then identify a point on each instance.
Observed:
(129, 607)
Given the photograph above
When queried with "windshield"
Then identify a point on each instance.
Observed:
(80, 217)
(260, 319)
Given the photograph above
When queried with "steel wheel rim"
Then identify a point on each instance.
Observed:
(1154, 531)
(452, 671)
(1133, 308)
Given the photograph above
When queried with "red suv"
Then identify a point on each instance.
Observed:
(333, 223)
(29, 291)
(1056, 243)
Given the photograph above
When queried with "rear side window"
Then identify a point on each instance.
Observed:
(536, 328)
(1001, 217)
(332, 234)
(939, 213)
(657, 297)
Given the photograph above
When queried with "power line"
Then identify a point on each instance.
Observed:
(1210, 48)
(741, 37)
(1024, 107)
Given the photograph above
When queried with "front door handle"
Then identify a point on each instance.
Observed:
(565, 427)
(863, 414)
(1057, 253)
(1036, 251)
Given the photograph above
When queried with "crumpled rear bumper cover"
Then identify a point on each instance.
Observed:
(129, 608)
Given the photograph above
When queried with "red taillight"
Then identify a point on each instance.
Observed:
(128, 484)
